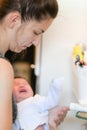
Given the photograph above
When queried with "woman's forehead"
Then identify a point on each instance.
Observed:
(42, 25)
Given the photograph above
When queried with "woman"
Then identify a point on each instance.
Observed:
(22, 22)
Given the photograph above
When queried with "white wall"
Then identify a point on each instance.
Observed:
(69, 28)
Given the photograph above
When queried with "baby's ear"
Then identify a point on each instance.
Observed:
(13, 19)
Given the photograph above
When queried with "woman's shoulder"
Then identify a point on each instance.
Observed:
(4, 60)
(5, 66)
(3, 57)
(5, 63)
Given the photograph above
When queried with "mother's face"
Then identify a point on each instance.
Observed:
(28, 33)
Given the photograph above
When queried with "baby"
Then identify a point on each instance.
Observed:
(33, 109)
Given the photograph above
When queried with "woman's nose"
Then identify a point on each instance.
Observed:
(37, 40)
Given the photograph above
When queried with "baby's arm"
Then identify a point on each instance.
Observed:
(53, 95)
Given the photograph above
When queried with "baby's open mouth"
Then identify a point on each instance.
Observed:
(22, 91)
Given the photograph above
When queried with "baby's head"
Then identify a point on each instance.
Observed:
(21, 89)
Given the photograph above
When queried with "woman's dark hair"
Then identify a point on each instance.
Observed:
(14, 109)
(30, 9)
(7, 6)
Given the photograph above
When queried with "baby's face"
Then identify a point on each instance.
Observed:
(21, 89)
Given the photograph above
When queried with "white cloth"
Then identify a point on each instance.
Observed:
(16, 125)
(33, 111)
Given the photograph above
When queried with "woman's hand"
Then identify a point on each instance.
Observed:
(56, 116)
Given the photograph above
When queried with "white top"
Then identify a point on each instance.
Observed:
(33, 111)
(16, 125)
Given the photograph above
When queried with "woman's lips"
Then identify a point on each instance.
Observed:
(23, 47)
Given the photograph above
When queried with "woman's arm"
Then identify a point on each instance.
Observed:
(56, 116)
(6, 84)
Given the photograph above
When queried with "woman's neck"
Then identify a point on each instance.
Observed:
(3, 41)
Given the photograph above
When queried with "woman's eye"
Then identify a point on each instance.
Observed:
(37, 33)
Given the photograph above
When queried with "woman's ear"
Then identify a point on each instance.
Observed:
(13, 19)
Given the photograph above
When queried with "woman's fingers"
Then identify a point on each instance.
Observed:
(56, 116)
